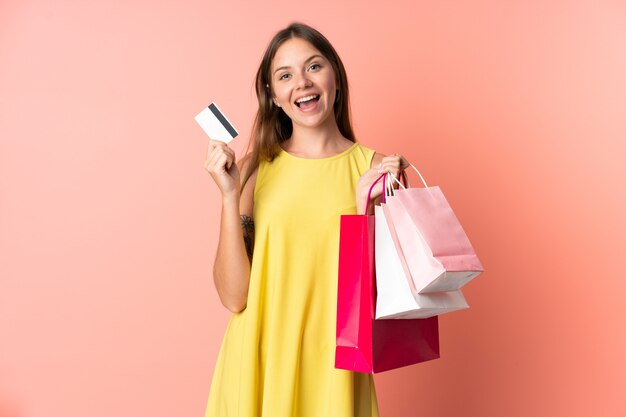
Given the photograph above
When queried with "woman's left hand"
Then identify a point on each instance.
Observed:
(393, 163)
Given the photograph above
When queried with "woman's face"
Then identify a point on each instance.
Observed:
(303, 83)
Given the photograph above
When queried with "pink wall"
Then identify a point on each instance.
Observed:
(108, 220)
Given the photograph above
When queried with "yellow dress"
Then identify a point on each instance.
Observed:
(277, 358)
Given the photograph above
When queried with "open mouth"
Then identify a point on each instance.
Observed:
(307, 101)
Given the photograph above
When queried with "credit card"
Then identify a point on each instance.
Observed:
(215, 124)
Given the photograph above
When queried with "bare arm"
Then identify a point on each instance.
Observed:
(231, 270)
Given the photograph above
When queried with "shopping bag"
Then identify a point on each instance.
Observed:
(395, 297)
(436, 250)
(364, 344)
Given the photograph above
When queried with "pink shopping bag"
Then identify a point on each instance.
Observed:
(397, 298)
(364, 344)
(434, 246)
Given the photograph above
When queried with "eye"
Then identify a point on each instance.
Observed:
(284, 76)
(315, 66)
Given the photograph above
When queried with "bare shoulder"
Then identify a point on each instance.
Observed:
(246, 202)
(377, 159)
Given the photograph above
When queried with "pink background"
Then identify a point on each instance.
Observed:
(108, 221)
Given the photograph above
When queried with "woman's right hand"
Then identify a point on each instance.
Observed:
(220, 163)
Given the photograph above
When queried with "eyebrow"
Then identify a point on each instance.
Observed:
(309, 59)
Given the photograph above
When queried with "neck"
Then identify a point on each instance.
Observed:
(316, 142)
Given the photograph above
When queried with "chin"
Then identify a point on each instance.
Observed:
(315, 120)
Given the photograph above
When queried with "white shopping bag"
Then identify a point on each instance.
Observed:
(395, 298)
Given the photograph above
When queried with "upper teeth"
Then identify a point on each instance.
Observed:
(300, 100)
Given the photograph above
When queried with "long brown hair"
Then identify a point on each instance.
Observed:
(271, 125)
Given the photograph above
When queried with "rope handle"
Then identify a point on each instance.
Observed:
(388, 189)
(393, 177)
(369, 193)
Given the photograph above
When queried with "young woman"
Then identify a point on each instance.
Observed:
(277, 258)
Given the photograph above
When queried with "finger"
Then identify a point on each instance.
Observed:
(391, 159)
(220, 147)
(389, 166)
(215, 148)
(208, 161)
(213, 163)
(404, 163)
(231, 154)
(220, 152)
(396, 158)
(211, 157)
(218, 143)
(230, 157)
(212, 145)
(222, 163)
(226, 160)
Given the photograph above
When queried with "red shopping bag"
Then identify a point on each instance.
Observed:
(363, 343)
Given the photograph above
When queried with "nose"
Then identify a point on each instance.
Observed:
(304, 81)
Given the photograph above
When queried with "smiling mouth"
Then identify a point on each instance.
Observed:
(308, 100)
